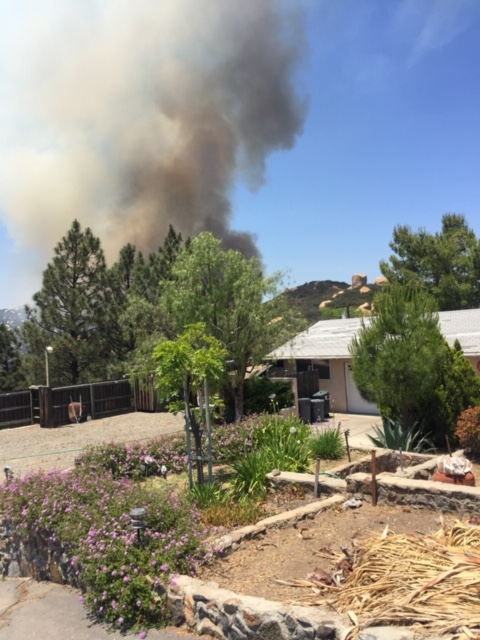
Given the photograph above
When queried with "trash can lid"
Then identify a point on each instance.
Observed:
(321, 394)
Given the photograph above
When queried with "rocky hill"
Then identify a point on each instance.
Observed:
(317, 300)
(327, 299)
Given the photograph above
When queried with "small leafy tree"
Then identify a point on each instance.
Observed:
(182, 367)
(396, 355)
(239, 306)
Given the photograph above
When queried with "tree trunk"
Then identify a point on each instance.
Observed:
(238, 397)
(195, 430)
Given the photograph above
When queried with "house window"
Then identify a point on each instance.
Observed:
(322, 366)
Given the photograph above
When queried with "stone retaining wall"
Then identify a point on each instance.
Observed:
(397, 490)
(37, 557)
(219, 613)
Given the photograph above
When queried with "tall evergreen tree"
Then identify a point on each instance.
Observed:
(398, 352)
(11, 378)
(446, 264)
(141, 317)
(73, 313)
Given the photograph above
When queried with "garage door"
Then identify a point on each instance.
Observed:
(355, 402)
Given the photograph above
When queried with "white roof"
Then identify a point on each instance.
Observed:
(329, 339)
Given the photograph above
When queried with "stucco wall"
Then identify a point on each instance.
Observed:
(475, 362)
(336, 385)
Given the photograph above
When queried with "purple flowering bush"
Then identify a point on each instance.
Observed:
(231, 442)
(88, 514)
(129, 460)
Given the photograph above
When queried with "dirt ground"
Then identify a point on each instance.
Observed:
(294, 552)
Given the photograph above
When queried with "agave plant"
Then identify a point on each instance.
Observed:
(394, 436)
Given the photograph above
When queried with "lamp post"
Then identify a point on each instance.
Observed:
(47, 351)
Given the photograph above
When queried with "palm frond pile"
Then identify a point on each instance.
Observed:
(431, 581)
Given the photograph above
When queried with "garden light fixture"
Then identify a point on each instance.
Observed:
(137, 519)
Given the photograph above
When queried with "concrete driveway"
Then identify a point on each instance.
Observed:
(31, 610)
(359, 426)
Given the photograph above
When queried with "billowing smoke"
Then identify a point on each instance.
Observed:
(133, 115)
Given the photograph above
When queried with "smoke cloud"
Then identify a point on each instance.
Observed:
(131, 116)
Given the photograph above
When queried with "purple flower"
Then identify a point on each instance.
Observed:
(142, 634)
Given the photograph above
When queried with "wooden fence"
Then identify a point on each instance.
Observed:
(49, 406)
(307, 383)
(16, 409)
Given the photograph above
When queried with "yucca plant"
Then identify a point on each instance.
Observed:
(394, 436)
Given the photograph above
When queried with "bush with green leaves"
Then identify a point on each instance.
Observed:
(327, 443)
(220, 507)
(275, 430)
(394, 436)
(457, 389)
(258, 391)
(278, 443)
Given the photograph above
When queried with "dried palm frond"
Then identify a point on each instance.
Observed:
(432, 581)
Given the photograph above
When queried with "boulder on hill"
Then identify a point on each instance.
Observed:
(359, 280)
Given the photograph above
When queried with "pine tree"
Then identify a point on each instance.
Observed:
(73, 313)
(11, 378)
(398, 352)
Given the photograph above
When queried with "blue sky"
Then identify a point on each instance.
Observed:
(391, 136)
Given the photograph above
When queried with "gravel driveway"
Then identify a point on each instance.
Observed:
(26, 449)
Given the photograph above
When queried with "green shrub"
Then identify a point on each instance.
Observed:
(457, 389)
(285, 454)
(275, 430)
(250, 475)
(207, 494)
(327, 444)
(257, 397)
(393, 436)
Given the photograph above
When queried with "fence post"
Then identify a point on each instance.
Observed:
(92, 402)
(46, 406)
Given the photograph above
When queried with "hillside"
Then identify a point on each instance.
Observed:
(337, 298)
(13, 318)
(307, 297)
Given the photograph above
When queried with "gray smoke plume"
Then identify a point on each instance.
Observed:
(131, 116)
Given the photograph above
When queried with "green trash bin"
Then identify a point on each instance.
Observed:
(325, 396)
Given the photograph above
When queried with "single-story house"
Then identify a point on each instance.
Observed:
(324, 346)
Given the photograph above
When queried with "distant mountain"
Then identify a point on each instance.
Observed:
(13, 318)
(327, 299)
